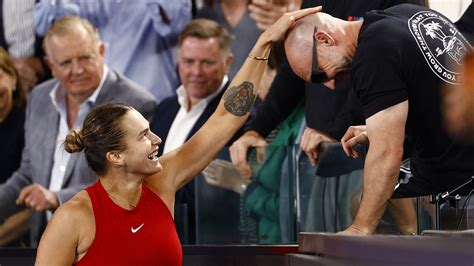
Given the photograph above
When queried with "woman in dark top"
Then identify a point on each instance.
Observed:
(12, 117)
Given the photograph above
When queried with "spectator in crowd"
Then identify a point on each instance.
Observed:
(245, 20)
(74, 236)
(234, 16)
(261, 193)
(466, 23)
(140, 36)
(47, 176)
(401, 92)
(12, 119)
(203, 63)
(265, 13)
(328, 113)
(17, 36)
(12, 116)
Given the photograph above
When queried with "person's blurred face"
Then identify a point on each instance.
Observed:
(202, 66)
(76, 61)
(7, 85)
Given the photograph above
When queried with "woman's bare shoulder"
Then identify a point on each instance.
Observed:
(66, 231)
(77, 210)
(80, 204)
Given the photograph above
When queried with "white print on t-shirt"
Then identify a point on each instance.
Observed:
(437, 36)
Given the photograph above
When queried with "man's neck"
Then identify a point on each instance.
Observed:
(352, 35)
(192, 102)
(73, 104)
(233, 10)
(234, 3)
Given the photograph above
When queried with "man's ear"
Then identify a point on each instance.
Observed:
(51, 65)
(102, 49)
(48, 62)
(115, 158)
(323, 38)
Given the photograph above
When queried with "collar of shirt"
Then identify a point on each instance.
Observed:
(61, 157)
(183, 96)
(58, 95)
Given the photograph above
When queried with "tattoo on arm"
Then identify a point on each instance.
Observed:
(239, 99)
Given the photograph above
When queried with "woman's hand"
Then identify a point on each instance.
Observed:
(276, 31)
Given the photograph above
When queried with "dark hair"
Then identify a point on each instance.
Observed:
(7, 65)
(100, 133)
(205, 29)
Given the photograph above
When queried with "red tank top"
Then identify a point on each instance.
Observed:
(145, 235)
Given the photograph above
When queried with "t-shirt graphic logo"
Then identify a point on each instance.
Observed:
(437, 36)
(134, 230)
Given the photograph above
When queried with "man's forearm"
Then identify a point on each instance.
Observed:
(380, 176)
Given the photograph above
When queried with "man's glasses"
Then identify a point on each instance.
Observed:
(317, 76)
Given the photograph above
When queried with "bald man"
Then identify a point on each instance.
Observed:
(398, 59)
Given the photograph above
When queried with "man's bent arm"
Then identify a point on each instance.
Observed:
(386, 132)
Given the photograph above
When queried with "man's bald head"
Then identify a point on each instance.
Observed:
(299, 43)
(330, 42)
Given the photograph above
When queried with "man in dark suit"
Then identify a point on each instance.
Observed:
(203, 62)
(48, 176)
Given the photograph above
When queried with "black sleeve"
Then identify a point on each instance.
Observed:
(466, 23)
(311, 3)
(351, 114)
(376, 71)
(286, 91)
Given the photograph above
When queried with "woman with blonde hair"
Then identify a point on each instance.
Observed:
(12, 119)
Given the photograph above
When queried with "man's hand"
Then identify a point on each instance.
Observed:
(30, 72)
(311, 141)
(278, 29)
(38, 198)
(239, 149)
(266, 13)
(355, 230)
(354, 135)
(386, 130)
(223, 174)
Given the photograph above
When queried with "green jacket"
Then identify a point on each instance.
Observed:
(261, 195)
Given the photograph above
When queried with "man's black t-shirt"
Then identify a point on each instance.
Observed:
(409, 53)
(330, 111)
